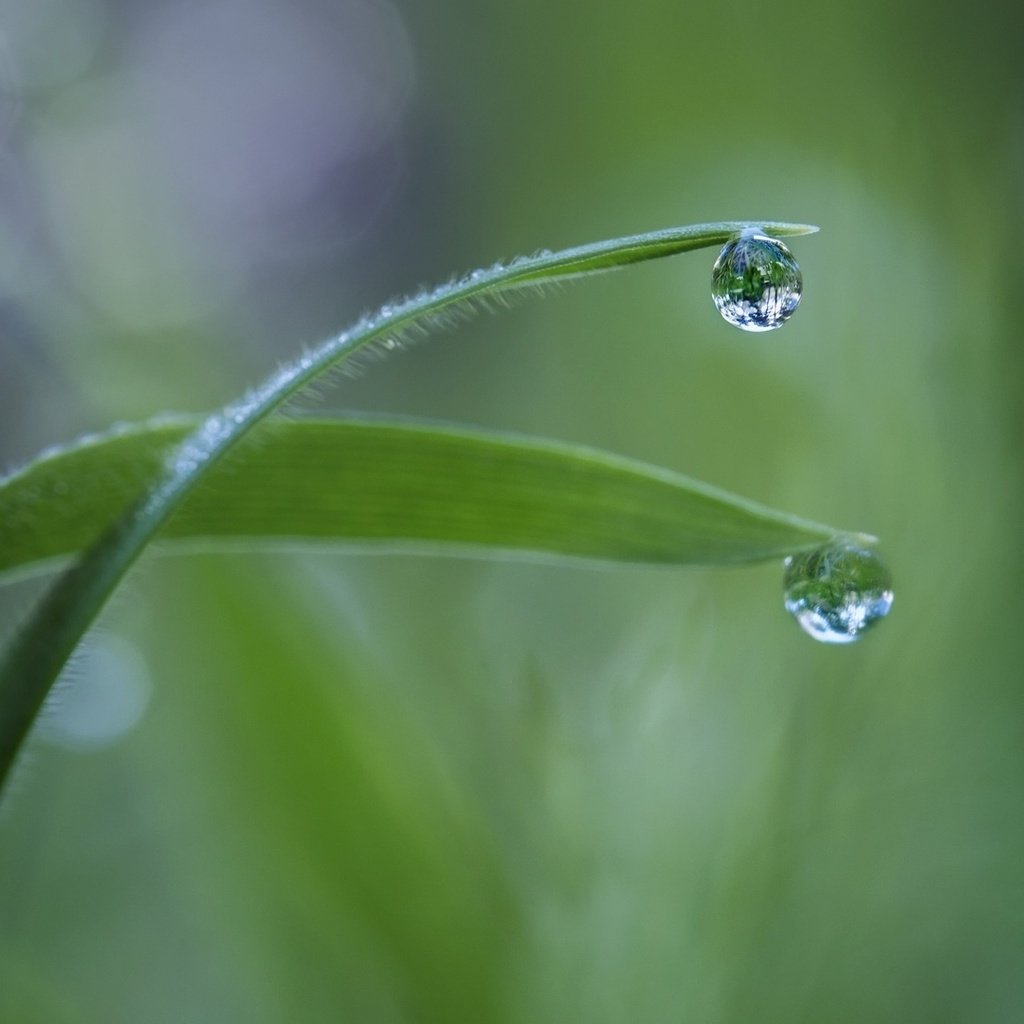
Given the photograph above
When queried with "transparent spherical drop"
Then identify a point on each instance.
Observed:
(756, 283)
(838, 591)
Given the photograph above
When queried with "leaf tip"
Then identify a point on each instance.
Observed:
(867, 539)
(792, 229)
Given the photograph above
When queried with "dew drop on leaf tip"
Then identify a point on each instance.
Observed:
(838, 591)
(756, 282)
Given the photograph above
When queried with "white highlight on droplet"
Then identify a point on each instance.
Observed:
(102, 700)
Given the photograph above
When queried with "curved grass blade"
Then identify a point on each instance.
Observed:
(373, 481)
(34, 657)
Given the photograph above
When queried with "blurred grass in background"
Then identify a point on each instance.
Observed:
(327, 786)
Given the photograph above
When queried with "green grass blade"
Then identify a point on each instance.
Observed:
(590, 259)
(35, 655)
(396, 482)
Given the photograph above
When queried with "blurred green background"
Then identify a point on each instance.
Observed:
(329, 786)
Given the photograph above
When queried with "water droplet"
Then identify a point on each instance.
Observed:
(756, 283)
(838, 591)
(101, 699)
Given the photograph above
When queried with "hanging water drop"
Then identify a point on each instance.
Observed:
(837, 591)
(756, 283)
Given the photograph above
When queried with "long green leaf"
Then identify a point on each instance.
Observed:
(376, 481)
(37, 652)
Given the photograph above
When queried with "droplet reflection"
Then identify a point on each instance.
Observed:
(837, 591)
(756, 283)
